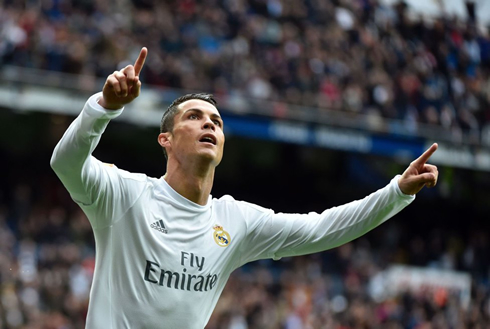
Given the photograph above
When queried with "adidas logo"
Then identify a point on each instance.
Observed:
(159, 226)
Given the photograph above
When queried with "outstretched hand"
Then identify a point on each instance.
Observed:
(122, 87)
(419, 174)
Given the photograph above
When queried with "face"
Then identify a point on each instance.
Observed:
(197, 134)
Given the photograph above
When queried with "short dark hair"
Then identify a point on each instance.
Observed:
(167, 123)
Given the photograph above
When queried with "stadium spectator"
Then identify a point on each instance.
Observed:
(307, 53)
(428, 69)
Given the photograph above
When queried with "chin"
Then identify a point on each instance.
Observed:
(210, 157)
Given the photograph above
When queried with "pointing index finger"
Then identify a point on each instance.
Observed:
(421, 160)
(140, 61)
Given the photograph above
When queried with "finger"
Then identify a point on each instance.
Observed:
(426, 155)
(430, 168)
(113, 84)
(121, 77)
(128, 71)
(135, 92)
(429, 179)
(138, 65)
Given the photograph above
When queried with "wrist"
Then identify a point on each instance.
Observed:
(102, 102)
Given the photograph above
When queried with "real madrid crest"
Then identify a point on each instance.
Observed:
(221, 237)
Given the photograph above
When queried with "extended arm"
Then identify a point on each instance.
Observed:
(280, 235)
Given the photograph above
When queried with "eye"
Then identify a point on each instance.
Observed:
(193, 117)
(217, 122)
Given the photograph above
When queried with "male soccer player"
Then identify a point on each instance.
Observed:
(164, 247)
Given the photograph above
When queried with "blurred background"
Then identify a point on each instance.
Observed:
(324, 101)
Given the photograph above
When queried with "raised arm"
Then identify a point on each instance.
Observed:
(80, 172)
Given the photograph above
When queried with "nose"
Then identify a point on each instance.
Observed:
(209, 124)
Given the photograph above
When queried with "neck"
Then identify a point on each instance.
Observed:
(194, 185)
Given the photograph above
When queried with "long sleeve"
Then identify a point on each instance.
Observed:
(276, 235)
(98, 188)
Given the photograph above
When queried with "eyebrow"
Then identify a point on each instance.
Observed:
(213, 115)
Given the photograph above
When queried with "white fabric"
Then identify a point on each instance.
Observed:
(158, 261)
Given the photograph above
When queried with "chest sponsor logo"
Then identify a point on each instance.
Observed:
(221, 237)
(193, 276)
(159, 226)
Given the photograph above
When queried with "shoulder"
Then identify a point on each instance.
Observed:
(128, 178)
(228, 202)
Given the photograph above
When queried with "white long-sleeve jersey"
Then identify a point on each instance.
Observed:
(162, 261)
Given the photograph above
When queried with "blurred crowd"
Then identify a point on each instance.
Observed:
(47, 260)
(358, 56)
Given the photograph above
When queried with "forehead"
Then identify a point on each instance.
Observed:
(199, 105)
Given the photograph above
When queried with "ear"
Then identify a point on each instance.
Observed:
(164, 139)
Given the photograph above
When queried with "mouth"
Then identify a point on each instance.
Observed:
(208, 139)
